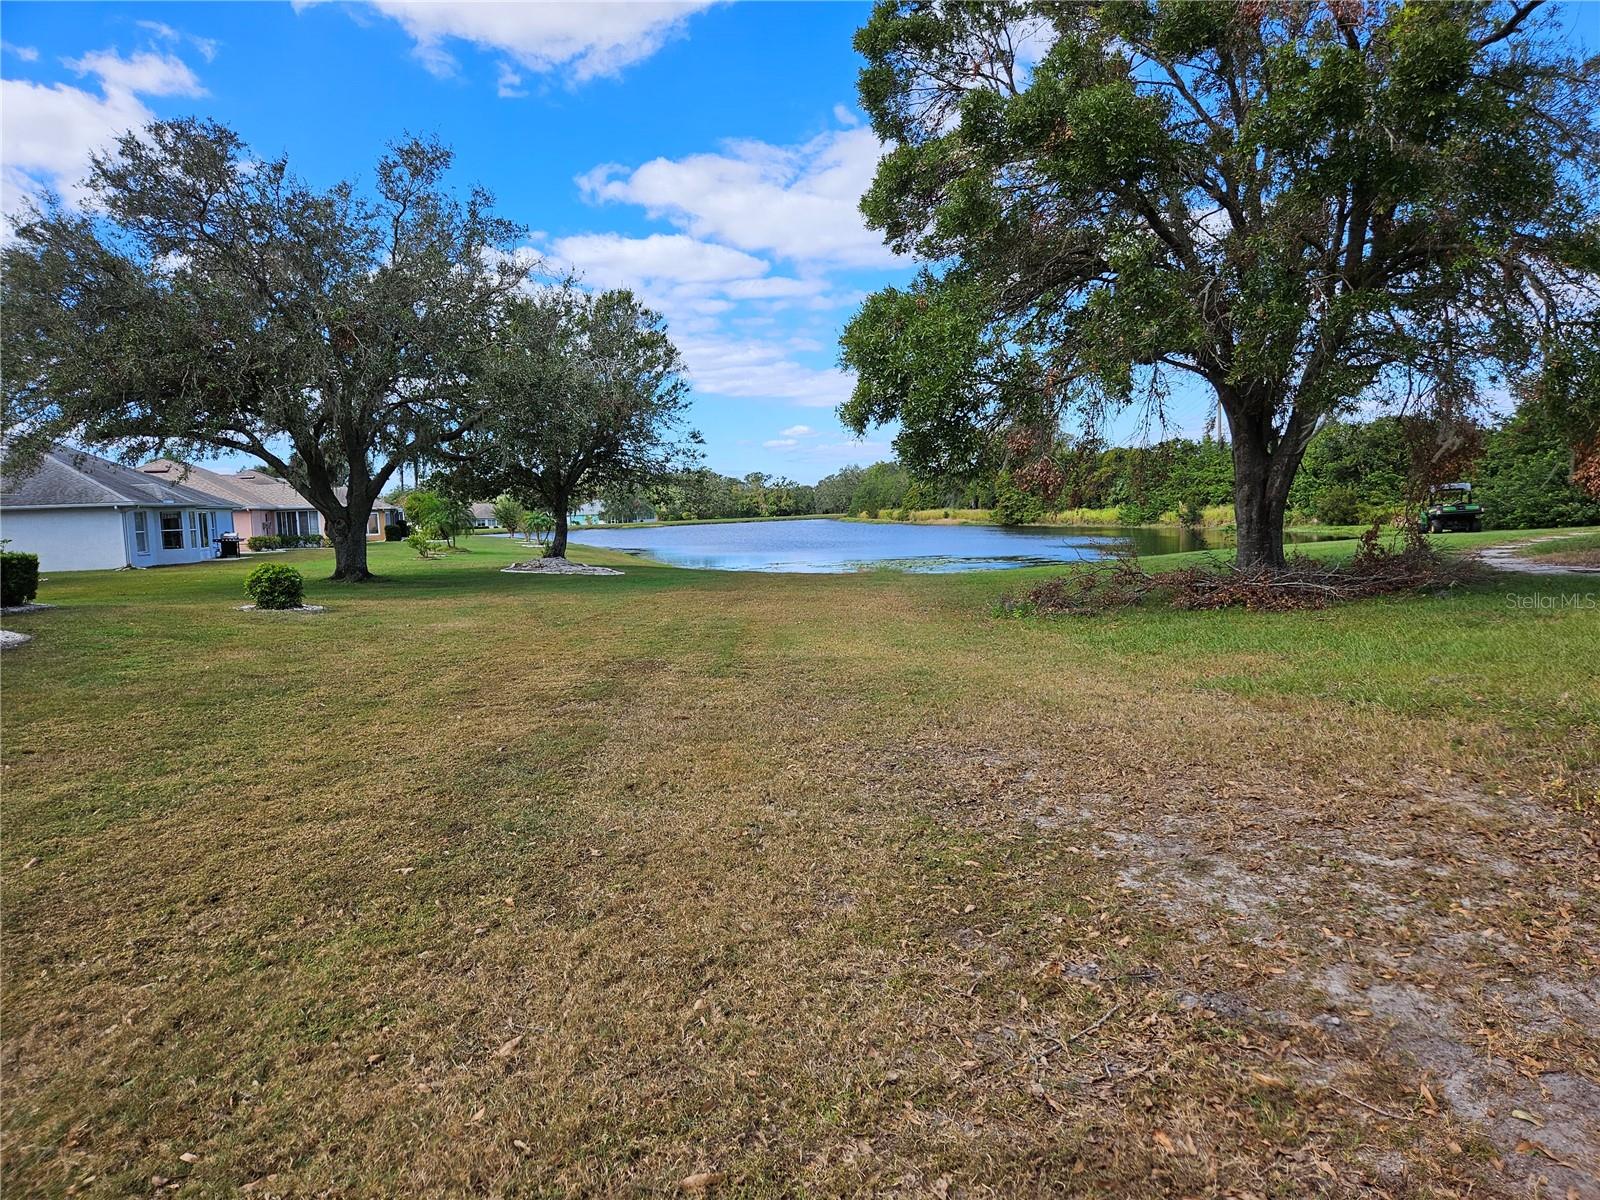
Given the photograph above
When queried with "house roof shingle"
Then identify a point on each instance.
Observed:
(247, 489)
(244, 489)
(69, 478)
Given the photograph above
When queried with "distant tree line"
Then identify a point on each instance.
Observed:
(1524, 470)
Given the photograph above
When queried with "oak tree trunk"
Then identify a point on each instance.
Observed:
(349, 538)
(558, 541)
(1262, 472)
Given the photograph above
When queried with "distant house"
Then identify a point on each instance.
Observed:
(483, 515)
(264, 505)
(383, 516)
(79, 512)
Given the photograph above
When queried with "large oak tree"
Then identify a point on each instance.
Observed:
(1299, 206)
(582, 391)
(206, 300)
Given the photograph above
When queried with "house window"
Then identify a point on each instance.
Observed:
(194, 528)
(373, 525)
(141, 532)
(172, 531)
(205, 530)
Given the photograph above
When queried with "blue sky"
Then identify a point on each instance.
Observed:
(709, 156)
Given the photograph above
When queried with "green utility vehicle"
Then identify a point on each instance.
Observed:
(1450, 510)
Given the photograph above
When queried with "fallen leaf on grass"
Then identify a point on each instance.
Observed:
(699, 1181)
(1522, 1114)
(189, 1156)
(507, 1049)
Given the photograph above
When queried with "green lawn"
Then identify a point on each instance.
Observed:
(498, 884)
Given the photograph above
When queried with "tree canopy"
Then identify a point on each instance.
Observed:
(1296, 205)
(580, 392)
(210, 301)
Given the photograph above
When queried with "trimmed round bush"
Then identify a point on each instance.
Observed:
(274, 585)
(19, 578)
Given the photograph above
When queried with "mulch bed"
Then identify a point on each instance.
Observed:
(556, 566)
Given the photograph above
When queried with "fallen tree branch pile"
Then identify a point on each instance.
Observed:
(1375, 570)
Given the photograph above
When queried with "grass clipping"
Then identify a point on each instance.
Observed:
(1376, 569)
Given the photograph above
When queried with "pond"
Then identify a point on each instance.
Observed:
(824, 544)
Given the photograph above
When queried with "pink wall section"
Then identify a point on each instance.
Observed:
(261, 522)
(247, 522)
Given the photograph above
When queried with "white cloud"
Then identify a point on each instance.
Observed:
(146, 72)
(729, 366)
(206, 46)
(844, 116)
(736, 213)
(700, 287)
(576, 39)
(508, 86)
(47, 131)
(796, 202)
(660, 256)
(780, 444)
(799, 431)
(25, 53)
(852, 451)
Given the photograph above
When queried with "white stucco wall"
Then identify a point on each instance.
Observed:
(102, 539)
(158, 555)
(67, 539)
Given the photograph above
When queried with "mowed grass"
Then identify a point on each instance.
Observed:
(488, 884)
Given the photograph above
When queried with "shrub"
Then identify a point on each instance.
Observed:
(275, 585)
(286, 541)
(425, 546)
(1338, 505)
(1135, 513)
(19, 578)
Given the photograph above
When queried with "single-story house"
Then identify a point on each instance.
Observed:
(264, 505)
(79, 512)
(483, 515)
(588, 514)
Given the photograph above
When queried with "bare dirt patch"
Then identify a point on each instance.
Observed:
(1424, 956)
(1509, 556)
